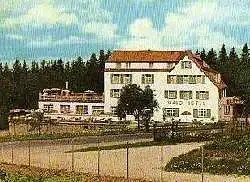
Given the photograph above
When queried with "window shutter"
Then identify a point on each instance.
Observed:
(189, 64)
(195, 113)
(197, 95)
(111, 93)
(111, 78)
(203, 79)
(190, 94)
(130, 78)
(207, 95)
(208, 113)
(182, 65)
(121, 78)
(166, 94)
(181, 94)
(177, 112)
(168, 79)
(143, 79)
(152, 78)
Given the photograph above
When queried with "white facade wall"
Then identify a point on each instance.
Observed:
(160, 85)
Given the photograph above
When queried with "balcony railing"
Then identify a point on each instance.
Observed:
(73, 98)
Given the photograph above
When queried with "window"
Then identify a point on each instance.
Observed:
(186, 64)
(65, 108)
(171, 79)
(170, 112)
(179, 79)
(227, 110)
(186, 79)
(113, 110)
(128, 65)
(97, 110)
(115, 93)
(202, 95)
(121, 78)
(151, 65)
(48, 107)
(192, 79)
(147, 79)
(200, 79)
(127, 78)
(116, 78)
(170, 94)
(169, 65)
(118, 65)
(186, 95)
(202, 113)
(80, 109)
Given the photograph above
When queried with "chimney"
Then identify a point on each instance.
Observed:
(67, 85)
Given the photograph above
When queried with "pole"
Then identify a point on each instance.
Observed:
(98, 158)
(127, 161)
(49, 158)
(2, 153)
(72, 159)
(12, 152)
(161, 162)
(29, 153)
(98, 161)
(202, 163)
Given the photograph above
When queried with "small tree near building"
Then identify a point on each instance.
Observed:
(138, 102)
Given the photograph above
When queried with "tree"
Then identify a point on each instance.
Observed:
(211, 59)
(150, 104)
(37, 120)
(134, 101)
(203, 54)
(223, 65)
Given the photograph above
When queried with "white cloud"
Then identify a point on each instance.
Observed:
(143, 36)
(42, 14)
(188, 28)
(101, 30)
(50, 42)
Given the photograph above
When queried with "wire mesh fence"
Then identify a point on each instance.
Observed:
(130, 163)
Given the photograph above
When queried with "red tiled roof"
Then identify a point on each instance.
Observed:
(166, 56)
(209, 72)
(146, 56)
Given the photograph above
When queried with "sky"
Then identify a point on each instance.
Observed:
(53, 29)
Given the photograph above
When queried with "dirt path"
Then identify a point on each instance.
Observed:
(144, 163)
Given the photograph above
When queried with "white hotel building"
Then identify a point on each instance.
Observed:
(184, 85)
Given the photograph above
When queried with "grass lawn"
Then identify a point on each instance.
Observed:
(226, 156)
(23, 173)
(64, 135)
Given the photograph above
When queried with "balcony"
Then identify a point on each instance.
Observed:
(73, 97)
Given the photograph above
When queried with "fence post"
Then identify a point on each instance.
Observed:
(127, 162)
(202, 164)
(2, 153)
(12, 153)
(98, 161)
(72, 156)
(49, 158)
(161, 162)
(98, 157)
(29, 153)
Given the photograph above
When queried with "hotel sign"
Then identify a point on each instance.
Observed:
(186, 102)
